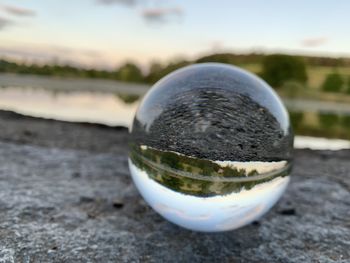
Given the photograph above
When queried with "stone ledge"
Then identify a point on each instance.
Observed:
(66, 196)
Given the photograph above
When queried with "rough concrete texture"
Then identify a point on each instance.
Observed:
(70, 201)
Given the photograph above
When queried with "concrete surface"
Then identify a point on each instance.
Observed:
(66, 196)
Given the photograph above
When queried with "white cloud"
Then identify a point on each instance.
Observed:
(4, 22)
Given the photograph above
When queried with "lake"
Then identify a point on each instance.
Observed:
(114, 103)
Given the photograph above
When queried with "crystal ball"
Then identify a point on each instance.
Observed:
(211, 147)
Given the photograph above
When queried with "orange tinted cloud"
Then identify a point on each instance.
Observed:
(314, 42)
(18, 11)
(161, 14)
(122, 2)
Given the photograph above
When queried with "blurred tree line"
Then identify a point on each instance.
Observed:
(328, 125)
(279, 70)
(128, 72)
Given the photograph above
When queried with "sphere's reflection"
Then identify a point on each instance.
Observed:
(211, 147)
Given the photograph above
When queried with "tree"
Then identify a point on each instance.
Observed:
(348, 86)
(157, 71)
(346, 121)
(128, 98)
(296, 119)
(130, 72)
(277, 69)
(329, 120)
(229, 58)
(219, 58)
(333, 83)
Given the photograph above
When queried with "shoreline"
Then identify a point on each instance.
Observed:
(61, 84)
(21, 129)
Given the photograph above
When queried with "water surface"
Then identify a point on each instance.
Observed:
(76, 106)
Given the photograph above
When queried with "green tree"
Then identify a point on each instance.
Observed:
(128, 98)
(157, 71)
(219, 58)
(329, 120)
(296, 119)
(333, 83)
(348, 86)
(172, 160)
(129, 72)
(346, 121)
(278, 68)
(229, 58)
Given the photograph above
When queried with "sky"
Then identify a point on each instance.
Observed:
(106, 33)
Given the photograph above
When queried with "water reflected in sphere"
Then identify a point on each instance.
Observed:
(211, 147)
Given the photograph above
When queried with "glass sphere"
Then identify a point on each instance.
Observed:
(211, 147)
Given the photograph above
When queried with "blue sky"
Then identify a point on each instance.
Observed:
(105, 33)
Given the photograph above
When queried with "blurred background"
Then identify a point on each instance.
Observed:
(92, 60)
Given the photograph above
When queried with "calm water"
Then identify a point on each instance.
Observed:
(114, 103)
(77, 106)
